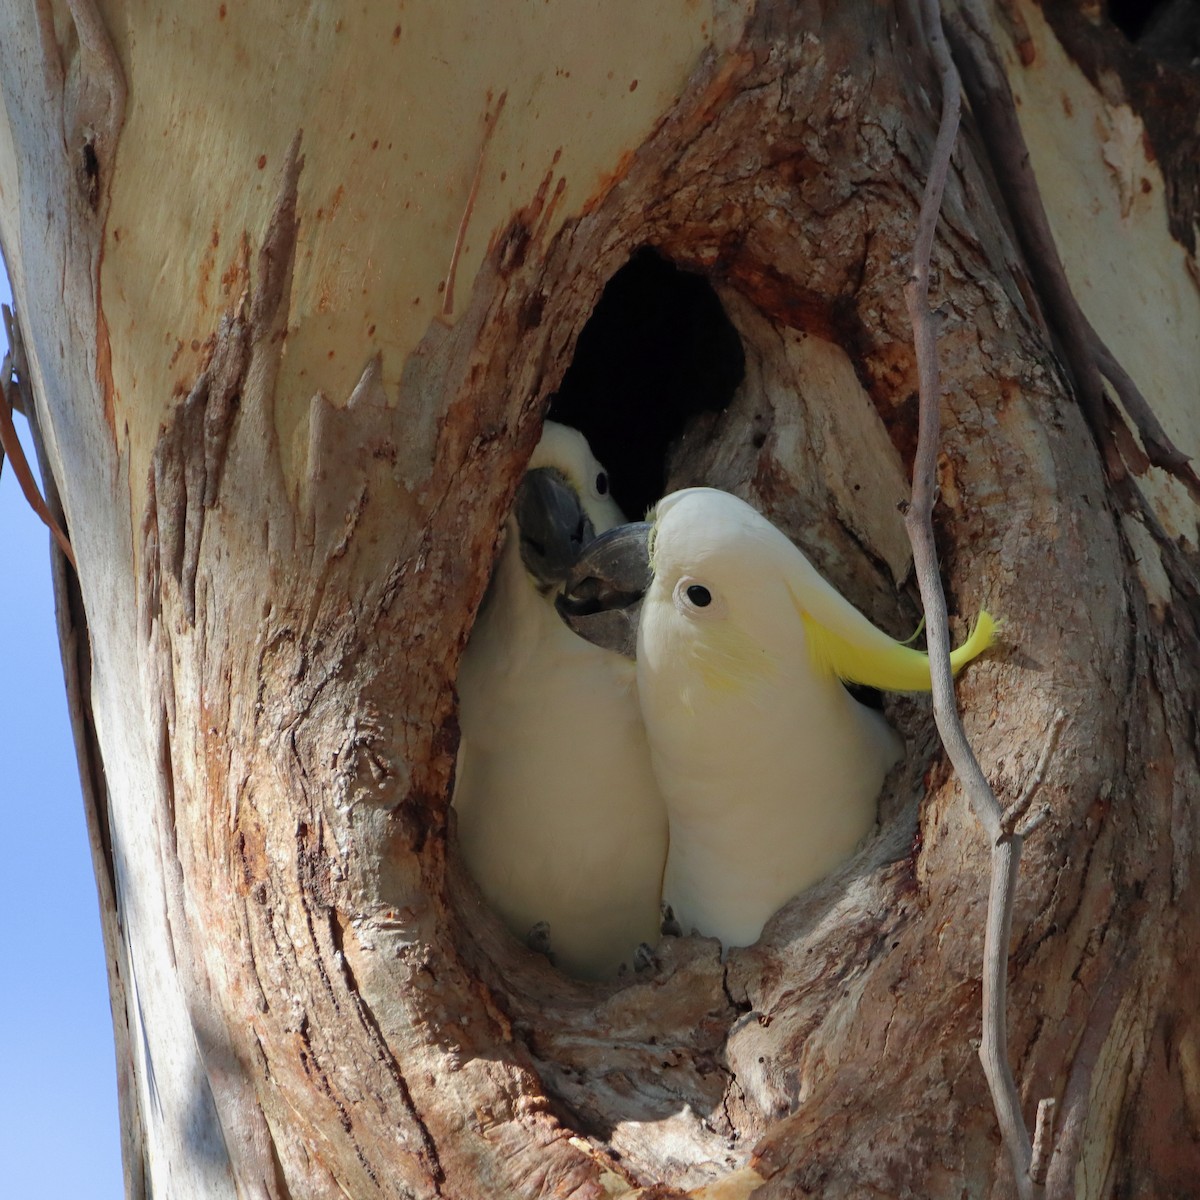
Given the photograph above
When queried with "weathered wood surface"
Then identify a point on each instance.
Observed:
(284, 488)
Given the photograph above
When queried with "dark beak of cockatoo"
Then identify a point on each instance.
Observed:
(602, 599)
(553, 526)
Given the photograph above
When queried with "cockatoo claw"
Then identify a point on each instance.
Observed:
(538, 940)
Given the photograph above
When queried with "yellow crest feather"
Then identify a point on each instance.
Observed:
(863, 654)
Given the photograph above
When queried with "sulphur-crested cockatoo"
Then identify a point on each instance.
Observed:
(769, 767)
(559, 817)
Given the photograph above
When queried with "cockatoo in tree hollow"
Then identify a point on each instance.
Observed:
(559, 816)
(769, 767)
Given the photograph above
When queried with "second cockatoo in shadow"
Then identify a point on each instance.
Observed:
(770, 769)
(559, 817)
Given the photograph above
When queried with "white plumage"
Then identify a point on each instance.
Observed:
(559, 817)
(769, 768)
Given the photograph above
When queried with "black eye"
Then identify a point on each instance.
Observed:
(699, 595)
(602, 484)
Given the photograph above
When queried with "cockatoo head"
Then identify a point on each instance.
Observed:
(713, 573)
(722, 581)
(721, 587)
(562, 502)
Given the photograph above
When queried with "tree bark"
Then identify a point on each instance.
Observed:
(294, 304)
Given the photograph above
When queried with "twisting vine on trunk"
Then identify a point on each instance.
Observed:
(1005, 832)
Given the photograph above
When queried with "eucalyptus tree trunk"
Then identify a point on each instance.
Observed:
(295, 290)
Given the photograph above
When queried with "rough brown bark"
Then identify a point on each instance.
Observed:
(362, 1025)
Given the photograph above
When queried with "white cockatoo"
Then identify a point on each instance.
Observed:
(770, 769)
(559, 816)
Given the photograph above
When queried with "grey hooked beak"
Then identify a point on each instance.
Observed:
(602, 599)
(553, 526)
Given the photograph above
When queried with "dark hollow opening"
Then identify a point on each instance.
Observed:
(657, 351)
(1168, 29)
(1130, 16)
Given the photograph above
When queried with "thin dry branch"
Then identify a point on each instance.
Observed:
(12, 444)
(1090, 361)
(1005, 846)
(1015, 820)
(1043, 1141)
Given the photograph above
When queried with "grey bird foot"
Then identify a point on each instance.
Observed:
(538, 940)
(644, 957)
(670, 926)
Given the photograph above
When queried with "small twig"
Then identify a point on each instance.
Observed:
(1035, 819)
(491, 120)
(12, 445)
(1006, 847)
(20, 466)
(16, 366)
(1043, 1140)
(1012, 819)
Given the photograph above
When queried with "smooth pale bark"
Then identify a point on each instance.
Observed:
(294, 297)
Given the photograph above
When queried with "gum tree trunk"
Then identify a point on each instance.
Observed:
(295, 293)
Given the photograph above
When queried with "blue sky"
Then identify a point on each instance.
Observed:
(59, 1137)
